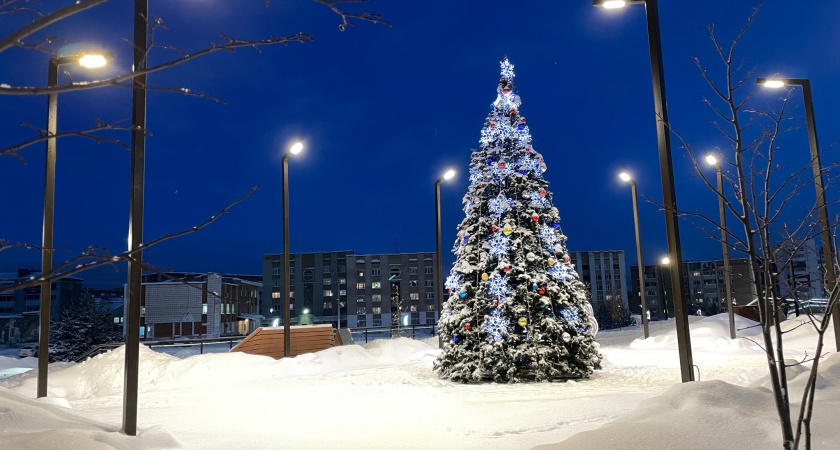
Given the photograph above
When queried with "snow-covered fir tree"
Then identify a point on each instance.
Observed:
(516, 310)
(84, 325)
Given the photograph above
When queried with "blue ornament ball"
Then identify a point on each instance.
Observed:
(556, 224)
(536, 287)
(463, 294)
(455, 338)
(520, 126)
(466, 238)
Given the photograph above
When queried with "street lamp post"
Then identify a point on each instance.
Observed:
(135, 221)
(439, 269)
(819, 185)
(724, 239)
(669, 196)
(627, 178)
(296, 148)
(88, 61)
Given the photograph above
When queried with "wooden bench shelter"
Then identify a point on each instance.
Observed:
(269, 341)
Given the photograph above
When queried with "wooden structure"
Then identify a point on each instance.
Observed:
(269, 341)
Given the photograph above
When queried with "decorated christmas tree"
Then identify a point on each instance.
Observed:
(516, 310)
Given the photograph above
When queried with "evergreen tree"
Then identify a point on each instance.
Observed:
(84, 325)
(517, 309)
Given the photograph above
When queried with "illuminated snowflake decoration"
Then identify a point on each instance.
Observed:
(561, 272)
(507, 69)
(496, 326)
(536, 200)
(499, 205)
(572, 317)
(501, 171)
(548, 235)
(503, 130)
(498, 245)
(497, 286)
(468, 206)
(475, 176)
(529, 164)
(454, 282)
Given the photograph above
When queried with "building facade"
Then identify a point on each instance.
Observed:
(19, 310)
(604, 273)
(357, 290)
(802, 271)
(198, 305)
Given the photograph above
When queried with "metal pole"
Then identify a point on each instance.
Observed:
(724, 238)
(639, 258)
(135, 225)
(47, 236)
(287, 314)
(822, 210)
(669, 195)
(439, 268)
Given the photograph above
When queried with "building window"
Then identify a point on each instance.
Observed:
(430, 295)
(328, 293)
(394, 272)
(275, 271)
(376, 310)
(308, 275)
(374, 272)
(415, 321)
(413, 308)
(360, 285)
(327, 281)
(360, 274)
(412, 283)
(362, 323)
(327, 305)
(273, 295)
(430, 308)
(377, 322)
(360, 299)
(376, 297)
(428, 283)
(342, 280)
(412, 271)
(414, 296)
(430, 320)
(327, 269)
(291, 281)
(427, 270)
(376, 285)
(342, 268)
(360, 310)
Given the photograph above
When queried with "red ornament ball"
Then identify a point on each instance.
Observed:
(513, 111)
(541, 291)
(504, 79)
(523, 120)
(501, 165)
(507, 269)
(505, 90)
(494, 228)
(542, 192)
(567, 259)
(495, 303)
(535, 218)
(492, 125)
(527, 150)
(467, 327)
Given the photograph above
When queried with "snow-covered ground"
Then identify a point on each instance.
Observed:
(385, 395)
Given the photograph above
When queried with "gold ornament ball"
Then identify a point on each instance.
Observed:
(550, 261)
(507, 229)
(484, 276)
(523, 321)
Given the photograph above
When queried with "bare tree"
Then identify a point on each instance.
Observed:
(760, 196)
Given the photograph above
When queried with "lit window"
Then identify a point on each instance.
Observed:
(376, 310)
(412, 283)
(360, 285)
(327, 280)
(328, 293)
(376, 285)
(360, 299)
(413, 308)
(376, 297)
(273, 295)
(360, 310)
(415, 296)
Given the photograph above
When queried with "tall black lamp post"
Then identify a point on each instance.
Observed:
(669, 196)
(88, 61)
(724, 239)
(439, 269)
(627, 178)
(819, 184)
(296, 148)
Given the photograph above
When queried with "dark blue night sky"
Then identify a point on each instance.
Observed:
(384, 111)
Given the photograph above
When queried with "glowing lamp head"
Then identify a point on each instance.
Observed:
(297, 147)
(306, 310)
(449, 174)
(625, 176)
(613, 4)
(93, 61)
(774, 83)
(711, 160)
(666, 260)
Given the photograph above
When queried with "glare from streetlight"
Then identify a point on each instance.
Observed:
(625, 176)
(93, 61)
(449, 174)
(297, 147)
(774, 83)
(711, 160)
(613, 4)
(666, 260)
